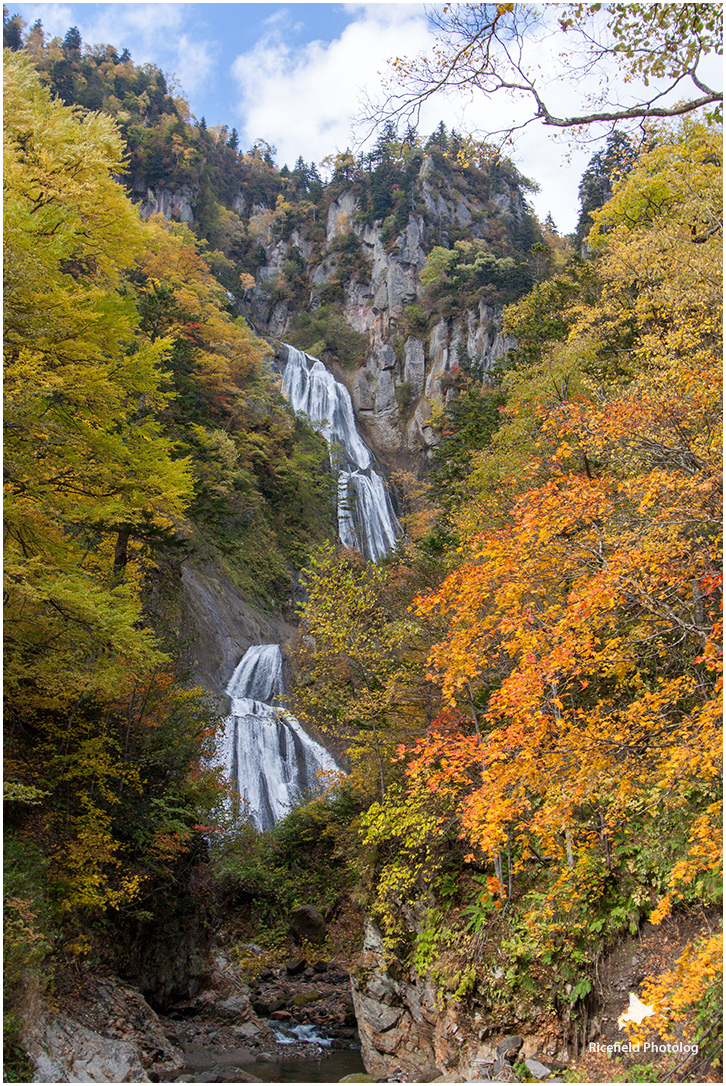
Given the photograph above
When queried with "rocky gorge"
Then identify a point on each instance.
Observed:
(403, 376)
(293, 1017)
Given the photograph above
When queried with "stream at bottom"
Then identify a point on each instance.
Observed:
(324, 1064)
(313, 1056)
(324, 1068)
(264, 1050)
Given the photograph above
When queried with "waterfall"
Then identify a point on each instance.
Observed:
(263, 750)
(366, 519)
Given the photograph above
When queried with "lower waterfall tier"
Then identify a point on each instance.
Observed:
(263, 750)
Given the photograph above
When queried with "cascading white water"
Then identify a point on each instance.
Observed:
(366, 519)
(263, 749)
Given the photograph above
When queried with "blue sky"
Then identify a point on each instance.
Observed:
(293, 74)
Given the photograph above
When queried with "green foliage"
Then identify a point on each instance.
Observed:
(470, 273)
(358, 661)
(142, 419)
(12, 30)
(404, 396)
(28, 918)
(643, 1072)
(310, 857)
(478, 912)
(109, 793)
(471, 418)
(603, 171)
(16, 1065)
(415, 322)
(599, 347)
(428, 942)
(408, 848)
(326, 334)
(263, 492)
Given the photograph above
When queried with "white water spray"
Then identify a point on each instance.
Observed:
(263, 749)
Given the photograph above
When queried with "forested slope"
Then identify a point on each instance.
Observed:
(568, 789)
(142, 424)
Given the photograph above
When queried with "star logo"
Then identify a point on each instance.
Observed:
(635, 1013)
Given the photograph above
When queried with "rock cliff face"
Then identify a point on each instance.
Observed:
(403, 377)
(373, 275)
(175, 204)
(220, 625)
(107, 1034)
(407, 1027)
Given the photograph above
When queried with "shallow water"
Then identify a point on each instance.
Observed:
(327, 1067)
(321, 1064)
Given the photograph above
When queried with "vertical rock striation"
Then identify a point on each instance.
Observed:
(404, 375)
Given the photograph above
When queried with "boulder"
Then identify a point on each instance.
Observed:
(307, 923)
(62, 1050)
(508, 1047)
(235, 1009)
(249, 1029)
(295, 966)
(538, 1069)
(111, 1034)
(236, 1074)
(265, 1006)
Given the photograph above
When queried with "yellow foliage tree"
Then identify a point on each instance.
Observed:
(87, 467)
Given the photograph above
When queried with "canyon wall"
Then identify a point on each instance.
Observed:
(404, 376)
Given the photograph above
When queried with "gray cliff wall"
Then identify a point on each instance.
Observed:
(220, 625)
(395, 391)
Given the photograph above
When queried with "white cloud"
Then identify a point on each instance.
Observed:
(195, 62)
(303, 100)
(139, 27)
(153, 33)
(56, 18)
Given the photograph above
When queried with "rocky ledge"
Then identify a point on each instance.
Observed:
(407, 1035)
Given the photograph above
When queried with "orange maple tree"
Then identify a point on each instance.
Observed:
(583, 619)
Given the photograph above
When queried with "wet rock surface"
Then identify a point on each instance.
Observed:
(292, 1013)
(221, 625)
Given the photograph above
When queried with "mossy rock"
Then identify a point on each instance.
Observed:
(303, 998)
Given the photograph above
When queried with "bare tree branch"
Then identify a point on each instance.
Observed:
(497, 49)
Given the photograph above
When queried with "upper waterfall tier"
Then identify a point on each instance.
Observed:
(366, 519)
(312, 389)
(263, 750)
